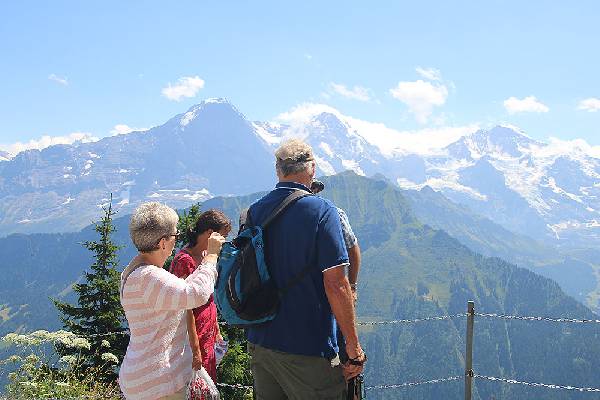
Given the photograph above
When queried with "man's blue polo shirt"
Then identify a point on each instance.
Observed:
(308, 233)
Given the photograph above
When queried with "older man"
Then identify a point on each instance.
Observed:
(295, 355)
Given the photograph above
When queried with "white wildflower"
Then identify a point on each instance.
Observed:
(11, 359)
(105, 343)
(63, 337)
(21, 340)
(9, 338)
(110, 357)
(32, 359)
(28, 383)
(41, 335)
(14, 358)
(80, 343)
(71, 360)
(62, 384)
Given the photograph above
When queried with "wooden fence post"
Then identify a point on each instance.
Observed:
(469, 350)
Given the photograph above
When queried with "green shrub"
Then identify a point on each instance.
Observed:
(37, 372)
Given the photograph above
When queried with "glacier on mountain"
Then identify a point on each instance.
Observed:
(526, 185)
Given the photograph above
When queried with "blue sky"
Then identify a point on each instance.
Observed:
(90, 66)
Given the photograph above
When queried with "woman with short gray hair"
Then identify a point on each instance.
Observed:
(158, 362)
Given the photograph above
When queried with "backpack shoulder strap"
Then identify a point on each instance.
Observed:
(245, 220)
(295, 195)
(126, 272)
(295, 279)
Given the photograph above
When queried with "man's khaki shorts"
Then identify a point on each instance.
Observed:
(280, 376)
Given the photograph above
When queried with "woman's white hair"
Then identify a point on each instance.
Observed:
(294, 156)
(150, 223)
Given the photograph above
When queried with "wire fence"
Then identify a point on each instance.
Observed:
(418, 383)
(535, 384)
(546, 319)
(411, 321)
(469, 374)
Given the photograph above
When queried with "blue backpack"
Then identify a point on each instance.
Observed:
(245, 293)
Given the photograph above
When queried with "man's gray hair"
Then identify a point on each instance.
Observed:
(150, 223)
(293, 156)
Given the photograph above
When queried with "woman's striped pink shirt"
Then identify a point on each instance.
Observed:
(158, 361)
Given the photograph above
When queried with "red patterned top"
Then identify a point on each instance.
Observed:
(183, 264)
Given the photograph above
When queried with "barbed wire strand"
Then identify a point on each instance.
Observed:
(416, 320)
(105, 334)
(235, 386)
(535, 318)
(411, 321)
(375, 387)
(536, 384)
(410, 384)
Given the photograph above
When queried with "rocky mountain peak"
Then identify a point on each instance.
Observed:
(498, 142)
(5, 155)
(210, 108)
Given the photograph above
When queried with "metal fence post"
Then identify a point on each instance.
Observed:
(469, 350)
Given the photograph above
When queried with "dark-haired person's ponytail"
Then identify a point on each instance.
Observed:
(192, 236)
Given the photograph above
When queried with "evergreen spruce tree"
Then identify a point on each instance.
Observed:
(98, 315)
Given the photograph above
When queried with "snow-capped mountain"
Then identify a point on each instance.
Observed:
(210, 149)
(543, 190)
(525, 185)
(337, 145)
(5, 156)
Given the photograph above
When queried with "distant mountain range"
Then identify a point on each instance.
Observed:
(211, 149)
(409, 270)
(575, 271)
(544, 191)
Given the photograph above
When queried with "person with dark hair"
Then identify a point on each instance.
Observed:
(203, 329)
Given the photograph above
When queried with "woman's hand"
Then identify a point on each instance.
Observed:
(196, 360)
(215, 241)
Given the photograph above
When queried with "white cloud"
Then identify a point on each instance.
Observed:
(47, 141)
(573, 147)
(186, 86)
(122, 129)
(58, 79)
(591, 105)
(528, 104)
(420, 97)
(389, 141)
(356, 93)
(431, 74)
(304, 112)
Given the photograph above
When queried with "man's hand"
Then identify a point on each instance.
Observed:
(355, 365)
(196, 360)
(339, 294)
